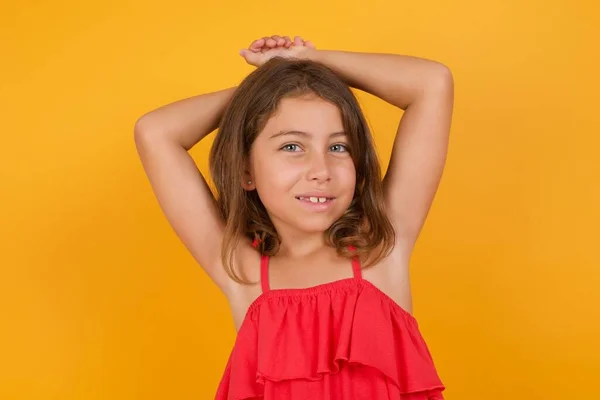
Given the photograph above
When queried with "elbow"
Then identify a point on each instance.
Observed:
(141, 126)
(139, 134)
(144, 128)
(438, 82)
(441, 77)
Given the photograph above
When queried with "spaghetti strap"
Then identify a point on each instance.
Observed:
(356, 268)
(264, 268)
(264, 273)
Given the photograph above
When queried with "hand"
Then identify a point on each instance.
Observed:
(262, 50)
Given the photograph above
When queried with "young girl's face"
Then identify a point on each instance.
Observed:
(301, 166)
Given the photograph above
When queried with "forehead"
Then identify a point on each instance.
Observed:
(308, 114)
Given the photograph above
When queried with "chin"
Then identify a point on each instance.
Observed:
(315, 225)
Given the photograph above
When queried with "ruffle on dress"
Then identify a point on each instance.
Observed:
(340, 340)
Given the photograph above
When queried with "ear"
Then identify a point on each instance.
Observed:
(248, 182)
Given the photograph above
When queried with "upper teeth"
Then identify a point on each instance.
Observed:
(315, 199)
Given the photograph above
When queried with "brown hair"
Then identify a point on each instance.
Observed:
(364, 225)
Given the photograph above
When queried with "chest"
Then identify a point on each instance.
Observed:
(392, 278)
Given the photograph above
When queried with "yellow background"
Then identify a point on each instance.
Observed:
(99, 299)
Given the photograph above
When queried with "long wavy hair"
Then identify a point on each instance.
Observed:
(364, 226)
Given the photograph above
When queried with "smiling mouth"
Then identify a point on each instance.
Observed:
(315, 200)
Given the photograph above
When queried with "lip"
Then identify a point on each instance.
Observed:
(315, 207)
(316, 194)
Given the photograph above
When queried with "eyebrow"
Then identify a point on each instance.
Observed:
(306, 134)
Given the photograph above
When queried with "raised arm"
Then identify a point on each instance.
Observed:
(425, 90)
(163, 138)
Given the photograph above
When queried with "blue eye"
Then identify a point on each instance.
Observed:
(339, 148)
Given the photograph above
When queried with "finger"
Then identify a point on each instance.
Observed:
(264, 45)
(271, 43)
(279, 40)
(288, 41)
(298, 41)
(257, 45)
(249, 56)
(310, 44)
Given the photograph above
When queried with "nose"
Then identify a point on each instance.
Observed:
(318, 168)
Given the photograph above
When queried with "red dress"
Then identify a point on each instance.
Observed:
(340, 340)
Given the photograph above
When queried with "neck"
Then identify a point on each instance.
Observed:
(299, 244)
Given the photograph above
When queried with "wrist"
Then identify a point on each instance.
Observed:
(311, 54)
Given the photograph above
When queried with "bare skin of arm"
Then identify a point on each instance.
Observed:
(163, 138)
(424, 89)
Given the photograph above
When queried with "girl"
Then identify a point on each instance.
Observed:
(307, 242)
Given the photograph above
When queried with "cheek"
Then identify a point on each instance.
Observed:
(346, 175)
(277, 174)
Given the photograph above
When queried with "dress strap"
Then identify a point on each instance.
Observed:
(264, 273)
(264, 268)
(356, 268)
